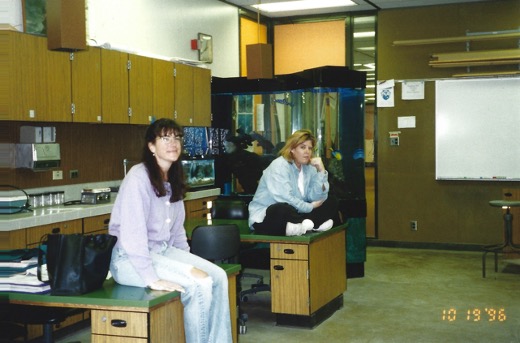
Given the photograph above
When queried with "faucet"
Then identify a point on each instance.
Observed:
(127, 162)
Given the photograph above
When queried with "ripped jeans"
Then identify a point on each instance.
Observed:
(206, 301)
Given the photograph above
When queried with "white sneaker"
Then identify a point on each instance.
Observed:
(293, 229)
(325, 226)
(308, 225)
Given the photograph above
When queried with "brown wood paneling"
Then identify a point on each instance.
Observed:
(446, 211)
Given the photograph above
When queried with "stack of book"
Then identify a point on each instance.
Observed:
(18, 272)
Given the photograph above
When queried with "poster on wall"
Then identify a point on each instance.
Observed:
(385, 93)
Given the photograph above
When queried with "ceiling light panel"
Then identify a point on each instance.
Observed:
(302, 5)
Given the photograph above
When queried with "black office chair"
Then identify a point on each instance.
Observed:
(216, 243)
(253, 256)
(48, 317)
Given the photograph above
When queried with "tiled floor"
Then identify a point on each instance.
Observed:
(407, 295)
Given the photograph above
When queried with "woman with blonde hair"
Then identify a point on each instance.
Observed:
(292, 195)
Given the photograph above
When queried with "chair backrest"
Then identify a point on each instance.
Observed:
(229, 209)
(216, 243)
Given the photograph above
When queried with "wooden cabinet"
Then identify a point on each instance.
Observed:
(97, 85)
(86, 86)
(163, 89)
(96, 224)
(202, 97)
(114, 86)
(198, 208)
(36, 85)
(289, 277)
(301, 281)
(162, 324)
(140, 79)
(183, 94)
(192, 95)
(35, 234)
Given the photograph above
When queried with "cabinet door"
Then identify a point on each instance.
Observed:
(290, 287)
(163, 89)
(57, 91)
(86, 86)
(183, 94)
(202, 97)
(141, 89)
(40, 80)
(96, 224)
(114, 86)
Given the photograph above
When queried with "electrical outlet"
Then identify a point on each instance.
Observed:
(413, 225)
(394, 141)
(74, 174)
(57, 174)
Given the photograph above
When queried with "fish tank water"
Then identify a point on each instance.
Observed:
(199, 173)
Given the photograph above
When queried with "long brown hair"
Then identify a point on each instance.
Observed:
(297, 138)
(159, 128)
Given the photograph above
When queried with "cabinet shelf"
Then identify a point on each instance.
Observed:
(475, 58)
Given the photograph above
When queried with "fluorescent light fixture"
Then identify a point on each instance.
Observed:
(302, 5)
(365, 34)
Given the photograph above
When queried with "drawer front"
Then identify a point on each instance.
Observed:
(35, 234)
(119, 323)
(290, 251)
(97, 224)
(116, 339)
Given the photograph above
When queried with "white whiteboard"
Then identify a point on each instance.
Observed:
(477, 129)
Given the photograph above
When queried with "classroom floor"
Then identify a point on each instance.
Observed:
(406, 295)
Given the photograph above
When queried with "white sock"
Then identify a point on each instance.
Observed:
(293, 229)
(308, 224)
(326, 225)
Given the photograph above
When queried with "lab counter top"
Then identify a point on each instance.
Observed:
(61, 213)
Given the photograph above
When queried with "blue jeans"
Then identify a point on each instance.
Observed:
(206, 301)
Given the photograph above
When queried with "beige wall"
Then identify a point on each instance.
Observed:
(308, 45)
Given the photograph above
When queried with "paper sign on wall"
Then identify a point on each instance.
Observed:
(413, 90)
(385, 93)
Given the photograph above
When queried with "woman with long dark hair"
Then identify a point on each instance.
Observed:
(152, 248)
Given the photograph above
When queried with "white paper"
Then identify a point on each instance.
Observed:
(259, 117)
(406, 122)
(413, 90)
(385, 93)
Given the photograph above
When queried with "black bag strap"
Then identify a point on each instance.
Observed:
(42, 250)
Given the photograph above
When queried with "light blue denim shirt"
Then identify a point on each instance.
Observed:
(279, 183)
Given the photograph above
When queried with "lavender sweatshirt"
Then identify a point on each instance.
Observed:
(142, 221)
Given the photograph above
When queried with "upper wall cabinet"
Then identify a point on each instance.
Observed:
(140, 89)
(202, 97)
(37, 86)
(86, 86)
(114, 87)
(192, 95)
(163, 89)
(97, 85)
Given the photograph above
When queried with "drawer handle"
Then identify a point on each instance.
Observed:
(106, 221)
(288, 251)
(118, 323)
(278, 267)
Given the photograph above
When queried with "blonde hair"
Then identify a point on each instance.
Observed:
(297, 138)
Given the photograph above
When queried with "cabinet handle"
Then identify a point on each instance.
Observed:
(118, 323)
(56, 230)
(106, 221)
(277, 267)
(288, 251)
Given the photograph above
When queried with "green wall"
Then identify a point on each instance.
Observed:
(446, 211)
